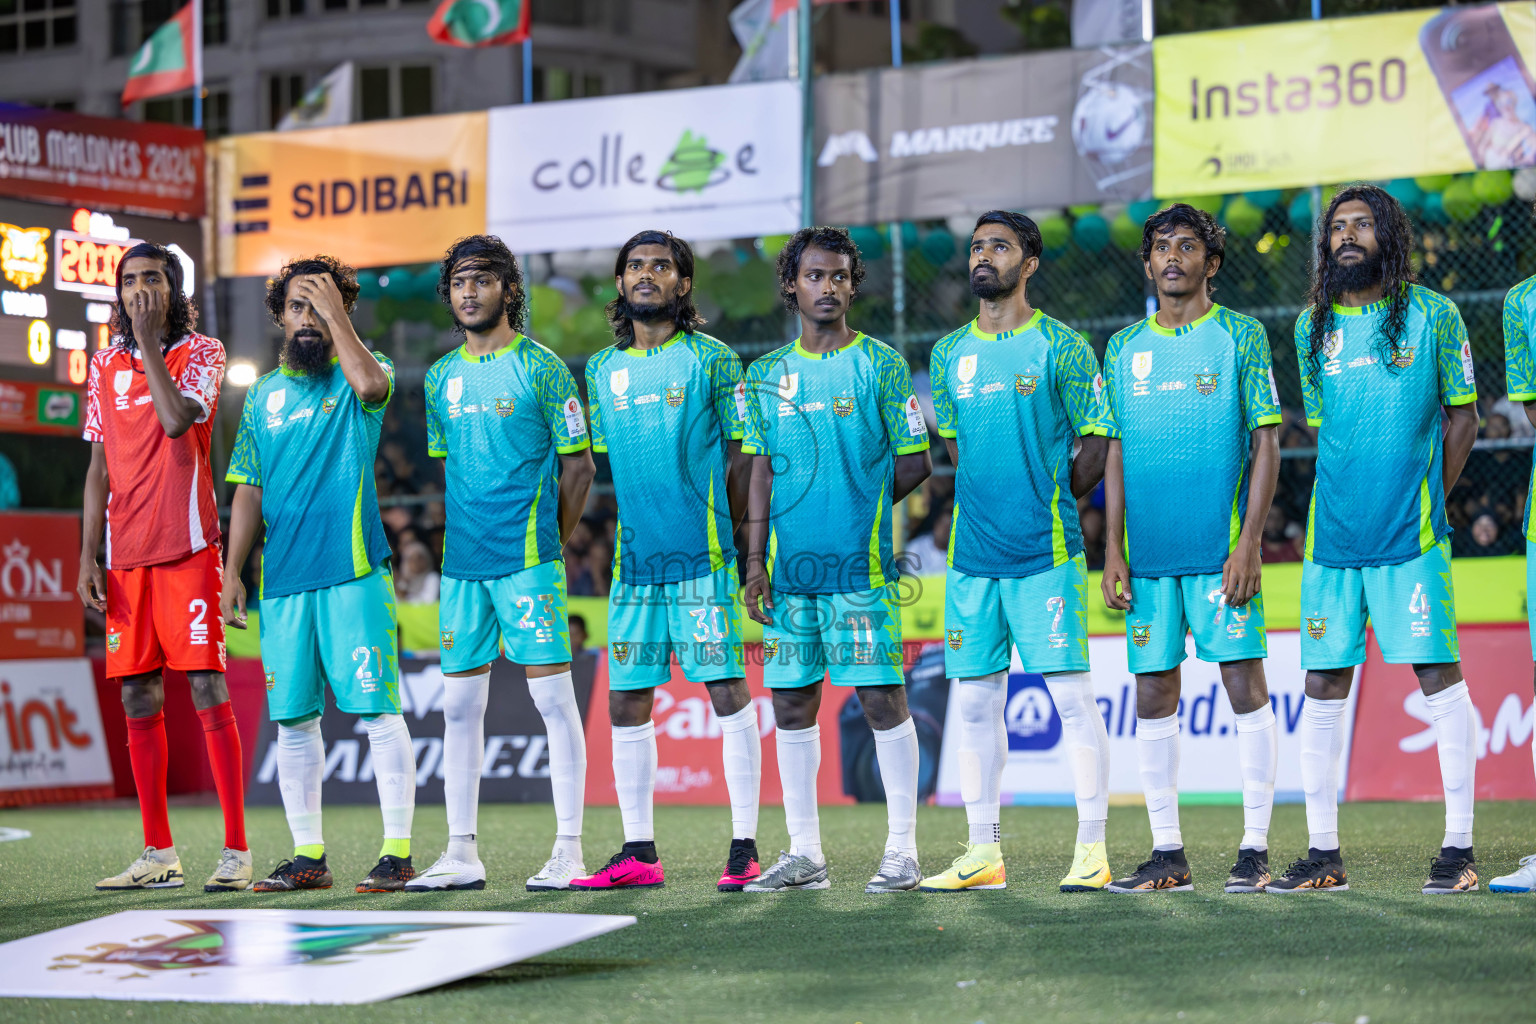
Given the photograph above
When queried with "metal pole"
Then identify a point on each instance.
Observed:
(1317, 191)
(898, 244)
(197, 69)
(808, 118)
(528, 70)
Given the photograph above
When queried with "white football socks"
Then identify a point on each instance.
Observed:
(555, 697)
(300, 763)
(1456, 740)
(1258, 751)
(897, 753)
(1157, 751)
(634, 779)
(1322, 741)
(741, 749)
(394, 770)
(799, 760)
(1088, 746)
(983, 753)
(464, 700)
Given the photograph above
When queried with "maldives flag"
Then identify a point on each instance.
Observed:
(168, 60)
(479, 22)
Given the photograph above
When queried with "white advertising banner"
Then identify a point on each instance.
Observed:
(51, 744)
(280, 956)
(718, 162)
(1039, 771)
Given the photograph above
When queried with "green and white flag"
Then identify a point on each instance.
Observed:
(170, 59)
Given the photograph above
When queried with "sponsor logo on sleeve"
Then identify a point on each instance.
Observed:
(1468, 377)
(575, 421)
(915, 423)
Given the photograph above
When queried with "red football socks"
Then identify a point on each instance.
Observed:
(228, 769)
(149, 754)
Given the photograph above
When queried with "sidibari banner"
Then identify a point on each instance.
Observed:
(1047, 129)
(1039, 769)
(712, 163)
(372, 195)
(1373, 97)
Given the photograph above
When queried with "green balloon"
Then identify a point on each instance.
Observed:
(424, 282)
(772, 244)
(1210, 204)
(1407, 192)
(1265, 198)
(1125, 231)
(1091, 232)
(1461, 202)
(368, 285)
(1082, 210)
(870, 240)
(1243, 217)
(1494, 188)
(397, 282)
(1434, 182)
(1055, 232)
(545, 304)
(1140, 211)
(938, 246)
(1300, 213)
(1433, 210)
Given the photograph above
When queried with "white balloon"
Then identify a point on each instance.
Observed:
(1525, 183)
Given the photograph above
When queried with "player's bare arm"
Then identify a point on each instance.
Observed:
(364, 373)
(1116, 584)
(577, 472)
(146, 293)
(954, 452)
(1460, 433)
(910, 472)
(738, 481)
(1241, 575)
(757, 593)
(1088, 465)
(244, 522)
(92, 588)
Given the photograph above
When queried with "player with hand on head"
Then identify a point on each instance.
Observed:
(1190, 410)
(303, 461)
(667, 405)
(150, 404)
(1520, 380)
(1383, 360)
(1016, 395)
(502, 410)
(836, 438)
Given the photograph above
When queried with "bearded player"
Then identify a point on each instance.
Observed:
(1382, 361)
(1016, 397)
(836, 438)
(1520, 379)
(1190, 409)
(667, 406)
(303, 461)
(150, 404)
(502, 410)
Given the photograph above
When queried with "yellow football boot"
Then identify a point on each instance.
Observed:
(1090, 869)
(979, 867)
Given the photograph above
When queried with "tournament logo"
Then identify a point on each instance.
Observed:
(275, 402)
(328, 405)
(1403, 358)
(504, 407)
(620, 651)
(967, 368)
(1025, 383)
(455, 390)
(1333, 344)
(789, 385)
(114, 641)
(271, 681)
(770, 648)
(618, 381)
(1205, 383)
(1141, 365)
(676, 395)
(1317, 628)
(124, 380)
(1141, 635)
(446, 636)
(843, 406)
(956, 637)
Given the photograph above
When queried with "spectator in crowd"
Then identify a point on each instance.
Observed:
(928, 553)
(599, 566)
(578, 628)
(1283, 539)
(417, 580)
(1514, 415)
(1484, 537)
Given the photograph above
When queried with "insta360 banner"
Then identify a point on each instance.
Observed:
(1381, 96)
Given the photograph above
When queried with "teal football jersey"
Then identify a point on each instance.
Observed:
(833, 423)
(664, 415)
(1379, 498)
(502, 421)
(1520, 361)
(1015, 402)
(309, 444)
(1183, 403)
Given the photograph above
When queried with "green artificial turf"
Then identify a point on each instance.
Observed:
(1381, 952)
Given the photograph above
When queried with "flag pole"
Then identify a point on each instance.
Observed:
(197, 64)
(528, 69)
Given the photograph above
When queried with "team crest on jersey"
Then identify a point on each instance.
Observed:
(504, 407)
(620, 651)
(1141, 635)
(1141, 365)
(446, 636)
(789, 385)
(455, 390)
(114, 641)
(770, 648)
(956, 637)
(843, 406)
(618, 381)
(1403, 358)
(328, 405)
(1205, 383)
(967, 368)
(275, 401)
(1317, 628)
(1025, 383)
(122, 381)
(675, 395)
(271, 681)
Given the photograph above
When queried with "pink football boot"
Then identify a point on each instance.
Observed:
(624, 870)
(741, 867)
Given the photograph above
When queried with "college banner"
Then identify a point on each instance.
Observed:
(1039, 771)
(40, 616)
(1394, 754)
(51, 746)
(946, 140)
(372, 195)
(516, 764)
(1371, 97)
(718, 162)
